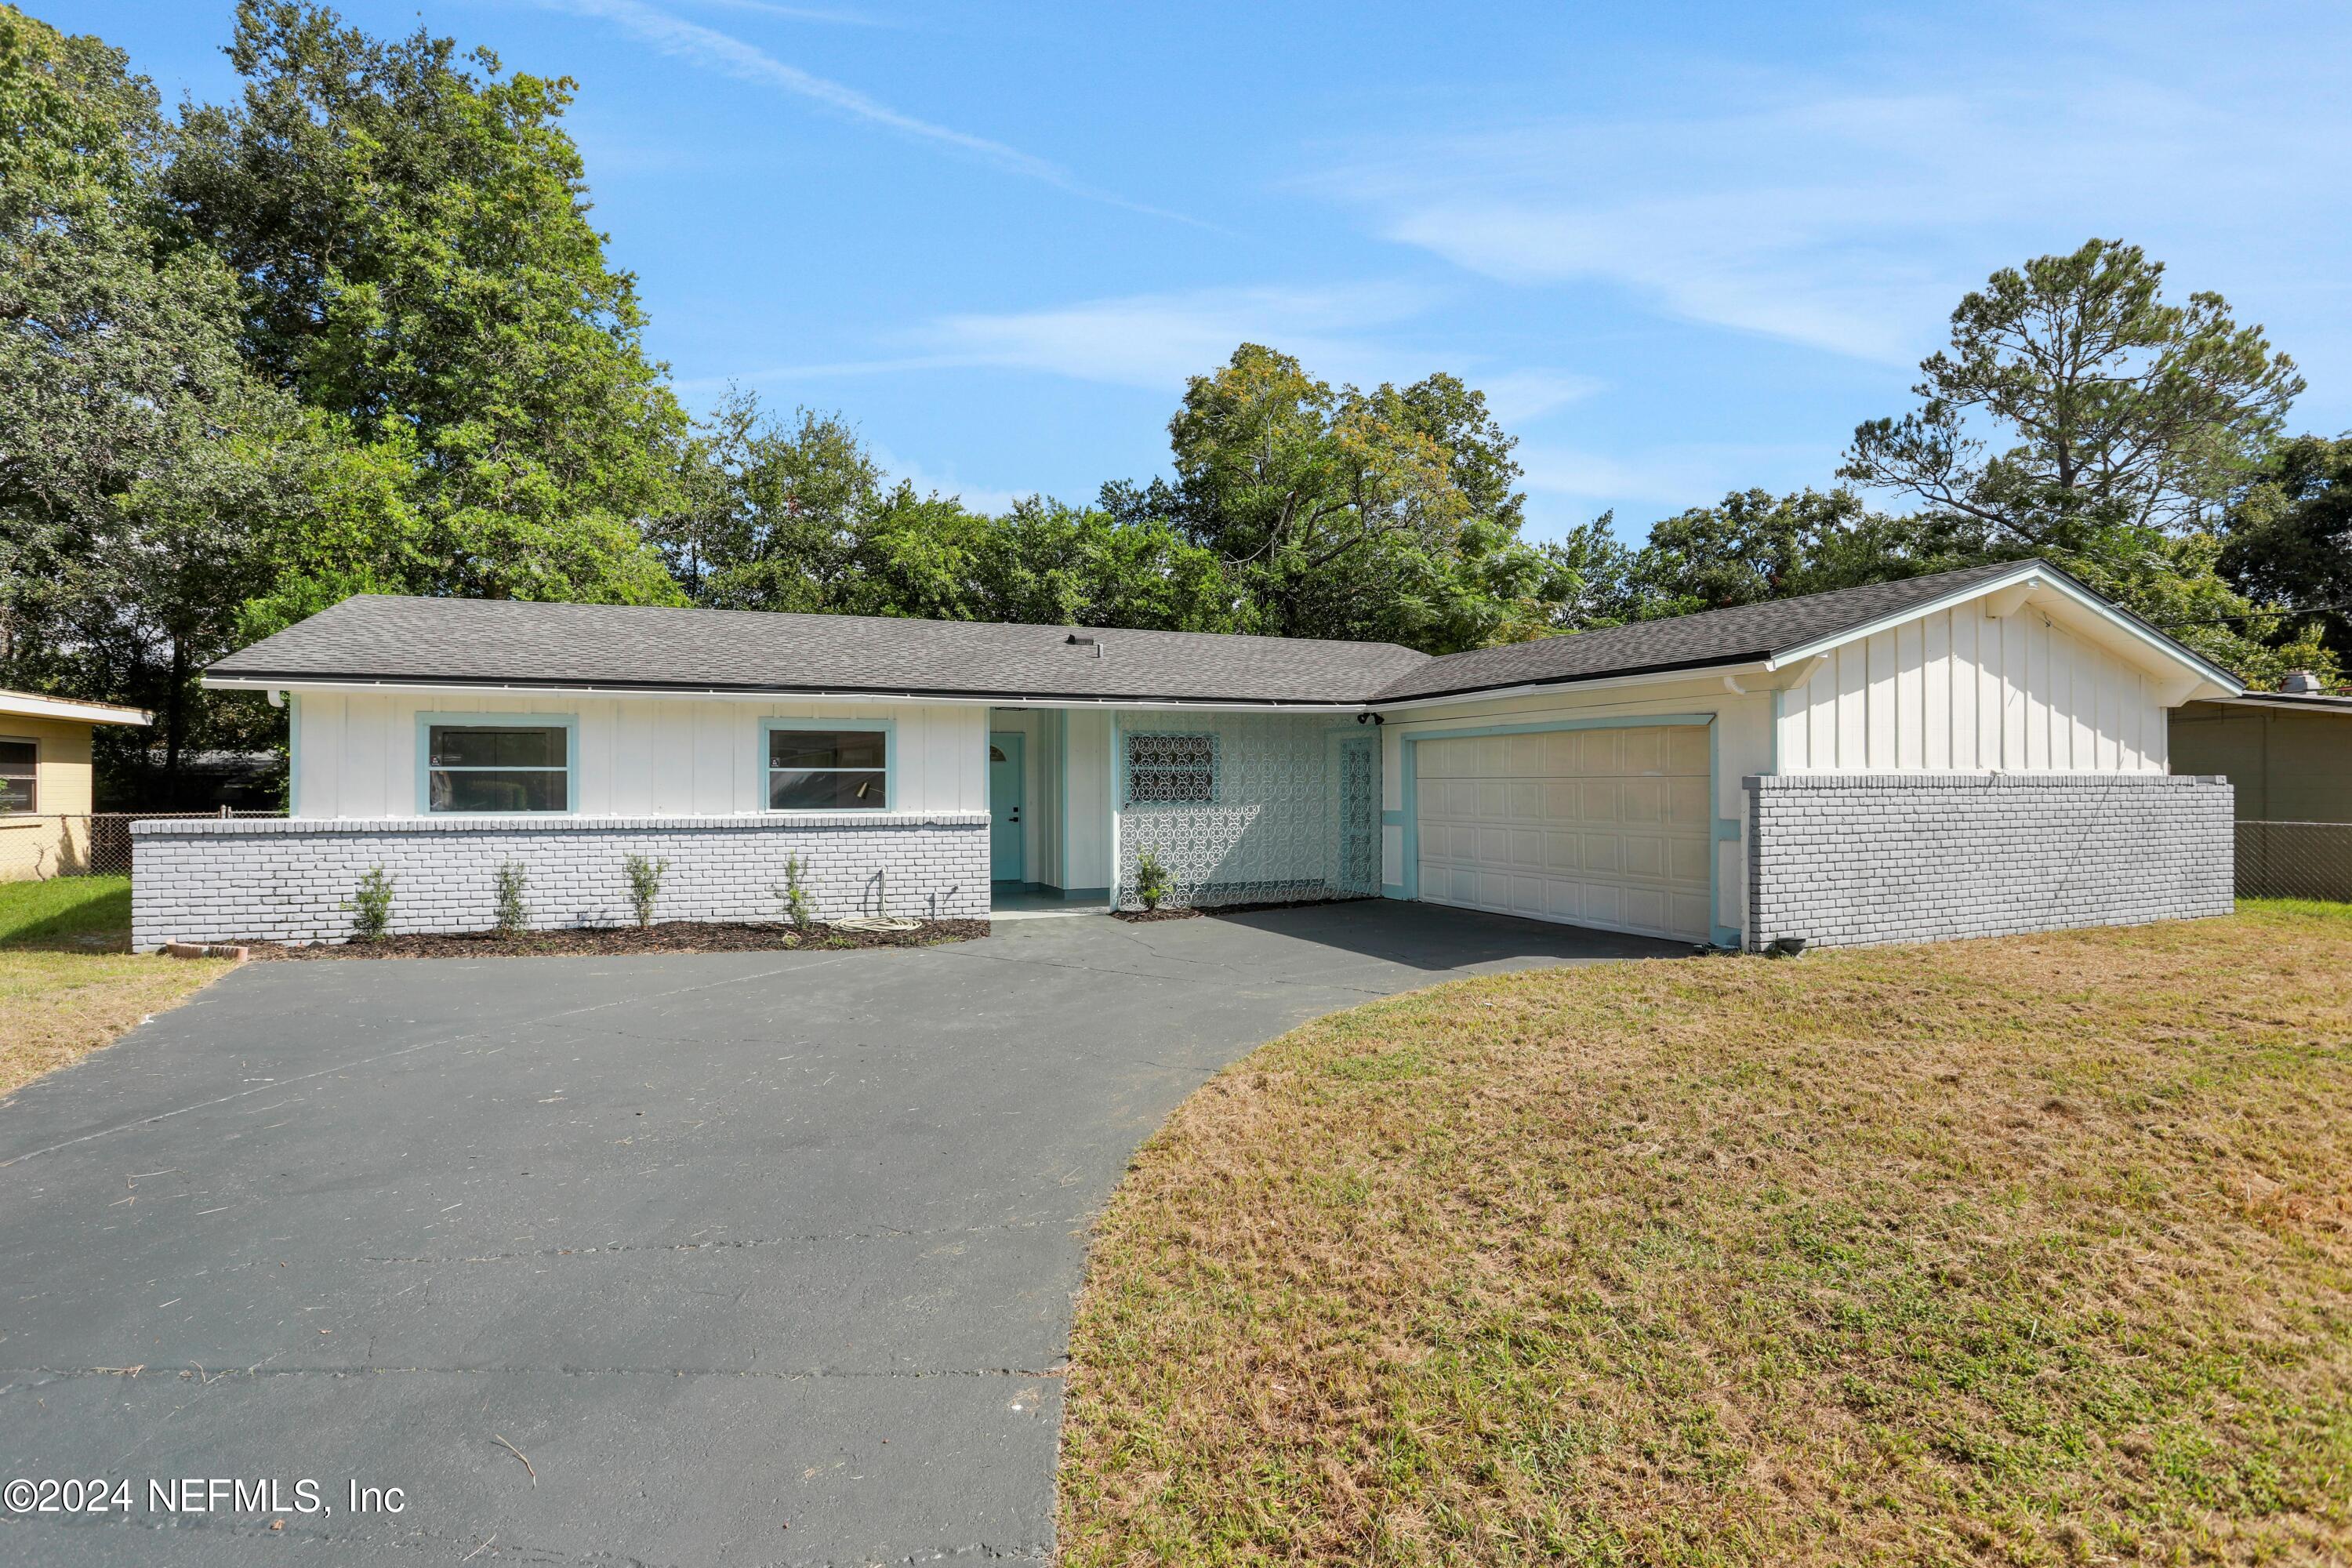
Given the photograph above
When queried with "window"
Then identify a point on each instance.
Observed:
(1171, 770)
(498, 767)
(828, 770)
(20, 770)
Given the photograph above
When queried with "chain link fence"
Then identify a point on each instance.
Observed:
(35, 845)
(2294, 861)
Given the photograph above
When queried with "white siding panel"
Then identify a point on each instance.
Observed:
(1910, 697)
(1960, 691)
(1964, 679)
(637, 756)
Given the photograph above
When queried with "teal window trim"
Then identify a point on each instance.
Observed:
(1409, 886)
(567, 722)
(771, 723)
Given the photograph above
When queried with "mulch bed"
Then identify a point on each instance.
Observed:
(669, 936)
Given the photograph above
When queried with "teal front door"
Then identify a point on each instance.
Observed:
(1007, 856)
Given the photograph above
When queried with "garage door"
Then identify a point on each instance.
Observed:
(1601, 827)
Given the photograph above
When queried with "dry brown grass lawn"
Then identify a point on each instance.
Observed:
(2034, 1250)
(69, 981)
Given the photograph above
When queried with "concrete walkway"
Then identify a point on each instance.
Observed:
(754, 1258)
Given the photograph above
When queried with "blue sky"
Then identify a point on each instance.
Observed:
(1684, 248)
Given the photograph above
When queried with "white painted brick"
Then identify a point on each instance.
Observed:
(284, 878)
(1842, 859)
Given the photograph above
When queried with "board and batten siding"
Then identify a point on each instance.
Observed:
(1960, 691)
(355, 754)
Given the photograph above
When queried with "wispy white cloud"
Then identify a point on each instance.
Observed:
(1850, 217)
(1665, 478)
(1522, 396)
(1156, 341)
(942, 482)
(730, 56)
(825, 15)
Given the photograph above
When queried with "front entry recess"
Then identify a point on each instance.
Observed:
(1007, 847)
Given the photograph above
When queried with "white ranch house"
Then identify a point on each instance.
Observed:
(1973, 753)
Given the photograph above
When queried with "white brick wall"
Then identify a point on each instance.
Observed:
(284, 880)
(1842, 859)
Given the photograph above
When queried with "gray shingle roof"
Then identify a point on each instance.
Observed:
(508, 642)
(1735, 635)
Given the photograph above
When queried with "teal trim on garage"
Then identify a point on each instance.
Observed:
(1410, 887)
(1392, 819)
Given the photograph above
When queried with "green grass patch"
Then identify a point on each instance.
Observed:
(68, 980)
(64, 907)
(2035, 1251)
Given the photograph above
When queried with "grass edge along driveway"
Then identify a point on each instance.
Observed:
(2027, 1251)
(68, 980)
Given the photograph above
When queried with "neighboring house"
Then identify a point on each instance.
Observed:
(1981, 750)
(2288, 753)
(44, 781)
(2288, 757)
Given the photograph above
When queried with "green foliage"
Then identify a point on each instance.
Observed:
(1386, 515)
(510, 914)
(645, 885)
(800, 908)
(1755, 547)
(2124, 424)
(2287, 536)
(410, 231)
(352, 334)
(135, 470)
(1151, 879)
(370, 905)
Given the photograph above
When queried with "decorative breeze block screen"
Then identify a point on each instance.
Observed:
(1171, 770)
(1248, 809)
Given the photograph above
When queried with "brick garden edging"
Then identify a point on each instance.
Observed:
(286, 879)
(1849, 858)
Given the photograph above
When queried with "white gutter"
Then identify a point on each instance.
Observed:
(26, 704)
(736, 694)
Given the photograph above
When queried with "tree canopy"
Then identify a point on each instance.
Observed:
(354, 332)
(2080, 416)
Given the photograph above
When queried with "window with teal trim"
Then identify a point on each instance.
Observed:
(828, 770)
(498, 767)
(1171, 770)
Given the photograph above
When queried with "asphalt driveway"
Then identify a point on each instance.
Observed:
(664, 1260)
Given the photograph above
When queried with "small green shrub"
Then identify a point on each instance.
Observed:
(1151, 879)
(799, 907)
(644, 886)
(370, 906)
(513, 915)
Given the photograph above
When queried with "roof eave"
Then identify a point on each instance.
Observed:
(287, 681)
(1648, 675)
(2032, 576)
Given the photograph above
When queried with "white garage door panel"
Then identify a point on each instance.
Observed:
(1606, 827)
